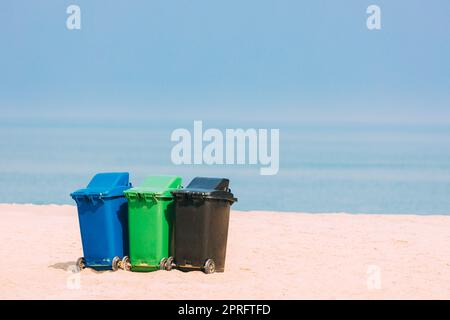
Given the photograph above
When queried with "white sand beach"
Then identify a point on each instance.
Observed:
(269, 256)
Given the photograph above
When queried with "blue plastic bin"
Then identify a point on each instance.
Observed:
(103, 217)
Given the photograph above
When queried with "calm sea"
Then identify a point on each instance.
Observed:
(354, 168)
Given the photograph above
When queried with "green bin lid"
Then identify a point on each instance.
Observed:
(156, 186)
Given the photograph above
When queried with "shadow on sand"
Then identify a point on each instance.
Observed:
(70, 266)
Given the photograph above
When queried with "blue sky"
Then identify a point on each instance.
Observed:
(295, 60)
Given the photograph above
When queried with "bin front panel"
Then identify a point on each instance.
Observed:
(103, 227)
(150, 224)
(201, 230)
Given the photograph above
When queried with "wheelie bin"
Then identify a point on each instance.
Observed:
(150, 217)
(102, 214)
(201, 224)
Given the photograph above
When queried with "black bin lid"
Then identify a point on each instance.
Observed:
(207, 188)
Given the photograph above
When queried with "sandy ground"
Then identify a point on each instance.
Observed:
(270, 256)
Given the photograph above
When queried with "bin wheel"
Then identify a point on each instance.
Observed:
(169, 264)
(81, 263)
(209, 267)
(115, 263)
(162, 264)
(125, 264)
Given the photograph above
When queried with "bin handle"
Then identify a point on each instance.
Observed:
(94, 199)
(132, 195)
(198, 200)
(149, 198)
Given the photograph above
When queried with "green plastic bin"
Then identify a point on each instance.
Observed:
(151, 213)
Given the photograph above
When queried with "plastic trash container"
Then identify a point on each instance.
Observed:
(150, 217)
(102, 214)
(201, 224)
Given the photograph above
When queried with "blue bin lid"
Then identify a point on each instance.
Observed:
(105, 185)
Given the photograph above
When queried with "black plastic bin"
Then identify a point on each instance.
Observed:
(201, 224)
